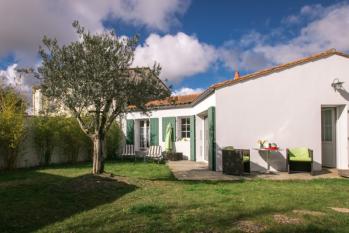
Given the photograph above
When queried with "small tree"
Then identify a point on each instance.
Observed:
(93, 78)
(12, 124)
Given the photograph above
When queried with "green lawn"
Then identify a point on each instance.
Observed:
(144, 197)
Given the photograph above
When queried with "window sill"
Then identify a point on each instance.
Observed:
(184, 140)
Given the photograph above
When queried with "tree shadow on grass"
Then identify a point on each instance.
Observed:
(26, 207)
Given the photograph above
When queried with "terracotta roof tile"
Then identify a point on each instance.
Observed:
(173, 101)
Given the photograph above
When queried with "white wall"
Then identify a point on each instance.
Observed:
(283, 107)
(204, 104)
(37, 101)
(28, 155)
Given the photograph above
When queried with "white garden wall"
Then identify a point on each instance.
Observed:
(29, 157)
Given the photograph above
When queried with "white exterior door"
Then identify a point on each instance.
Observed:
(144, 134)
(328, 135)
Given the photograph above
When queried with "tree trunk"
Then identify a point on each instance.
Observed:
(98, 152)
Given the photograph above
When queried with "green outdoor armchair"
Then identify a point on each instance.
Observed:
(299, 155)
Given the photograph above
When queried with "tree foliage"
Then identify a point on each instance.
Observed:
(12, 124)
(93, 78)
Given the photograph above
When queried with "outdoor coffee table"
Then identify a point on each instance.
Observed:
(268, 151)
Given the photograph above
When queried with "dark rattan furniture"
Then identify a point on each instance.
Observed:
(235, 161)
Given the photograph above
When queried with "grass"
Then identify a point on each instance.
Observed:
(145, 197)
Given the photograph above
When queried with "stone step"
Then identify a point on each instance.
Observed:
(344, 173)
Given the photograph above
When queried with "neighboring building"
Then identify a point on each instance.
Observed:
(37, 101)
(42, 106)
(301, 103)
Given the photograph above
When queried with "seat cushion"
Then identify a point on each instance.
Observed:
(299, 154)
(246, 158)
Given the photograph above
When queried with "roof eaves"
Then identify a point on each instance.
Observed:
(202, 96)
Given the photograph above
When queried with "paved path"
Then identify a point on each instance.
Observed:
(190, 170)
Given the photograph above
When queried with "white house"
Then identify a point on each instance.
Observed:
(301, 103)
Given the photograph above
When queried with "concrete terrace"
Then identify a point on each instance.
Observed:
(190, 170)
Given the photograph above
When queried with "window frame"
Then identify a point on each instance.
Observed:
(327, 126)
(184, 133)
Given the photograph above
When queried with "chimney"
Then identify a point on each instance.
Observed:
(236, 75)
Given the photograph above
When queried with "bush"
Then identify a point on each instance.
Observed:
(72, 139)
(64, 132)
(46, 134)
(58, 131)
(113, 141)
(12, 128)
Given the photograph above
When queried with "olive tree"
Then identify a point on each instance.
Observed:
(94, 79)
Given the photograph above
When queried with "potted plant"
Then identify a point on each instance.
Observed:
(263, 143)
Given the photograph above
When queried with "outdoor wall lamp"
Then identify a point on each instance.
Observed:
(337, 85)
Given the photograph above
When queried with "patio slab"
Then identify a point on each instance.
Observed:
(190, 170)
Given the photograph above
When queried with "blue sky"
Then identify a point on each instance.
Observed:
(198, 42)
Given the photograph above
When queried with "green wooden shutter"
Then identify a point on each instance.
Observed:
(165, 121)
(129, 131)
(212, 138)
(154, 131)
(192, 139)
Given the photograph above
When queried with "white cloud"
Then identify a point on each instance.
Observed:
(320, 34)
(9, 76)
(179, 55)
(153, 14)
(237, 55)
(307, 12)
(23, 23)
(324, 29)
(187, 91)
(23, 83)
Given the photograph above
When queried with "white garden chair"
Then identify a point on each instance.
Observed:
(154, 153)
(128, 151)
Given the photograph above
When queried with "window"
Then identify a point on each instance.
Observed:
(327, 125)
(185, 127)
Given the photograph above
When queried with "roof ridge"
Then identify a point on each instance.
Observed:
(199, 93)
(280, 67)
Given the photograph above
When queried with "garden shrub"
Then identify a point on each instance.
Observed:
(59, 131)
(46, 135)
(113, 140)
(12, 124)
(72, 139)
(65, 133)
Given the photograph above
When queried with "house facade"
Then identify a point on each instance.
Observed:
(301, 103)
(189, 116)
